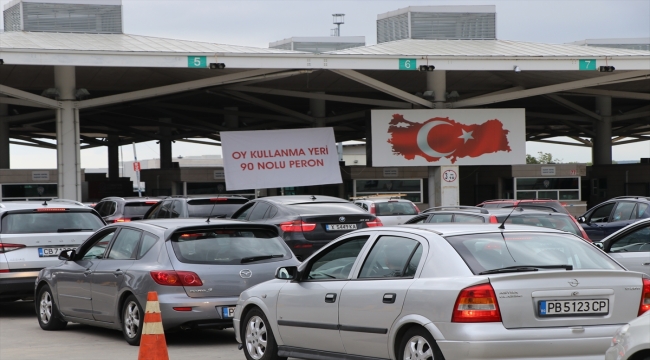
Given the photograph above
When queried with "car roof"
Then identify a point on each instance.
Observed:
(168, 226)
(198, 197)
(452, 229)
(131, 198)
(303, 199)
(29, 205)
(384, 200)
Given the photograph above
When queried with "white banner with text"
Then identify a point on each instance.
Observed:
(279, 158)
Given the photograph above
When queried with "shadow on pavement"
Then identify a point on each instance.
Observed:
(17, 309)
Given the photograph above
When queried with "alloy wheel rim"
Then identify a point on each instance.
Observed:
(418, 348)
(256, 337)
(132, 320)
(46, 307)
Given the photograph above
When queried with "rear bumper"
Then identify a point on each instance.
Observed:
(493, 341)
(206, 311)
(17, 284)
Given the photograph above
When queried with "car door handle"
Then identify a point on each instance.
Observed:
(88, 272)
(330, 298)
(646, 263)
(389, 298)
(118, 272)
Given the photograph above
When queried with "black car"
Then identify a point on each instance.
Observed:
(222, 206)
(518, 215)
(124, 209)
(610, 216)
(308, 222)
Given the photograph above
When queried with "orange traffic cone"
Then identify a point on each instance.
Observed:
(152, 343)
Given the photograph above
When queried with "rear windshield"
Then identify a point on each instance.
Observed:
(394, 208)
(484, 252)
(328, 208)
(137, 208)
(221, 208)
(229, 247)
(563, 223)
(30, 223)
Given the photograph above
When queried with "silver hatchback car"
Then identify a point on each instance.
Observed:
(198, 269)
(443, 292)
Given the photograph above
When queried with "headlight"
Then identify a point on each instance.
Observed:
(619, 336)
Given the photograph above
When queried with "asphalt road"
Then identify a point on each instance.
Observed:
(22, 339)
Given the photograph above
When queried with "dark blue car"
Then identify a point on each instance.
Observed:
(610, 216)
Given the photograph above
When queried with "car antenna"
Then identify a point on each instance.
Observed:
(502, 226)
(313, 197)
(215, 204)
(44, 202)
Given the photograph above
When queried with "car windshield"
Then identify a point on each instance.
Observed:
(483, 252)
(557, 222)
(50, 222)
(137, 208)
(328, 208)
(395, 208)
(229, 247)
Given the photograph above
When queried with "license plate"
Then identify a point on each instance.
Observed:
(341, 227)
(227, 312)
(53, 251)
(573, 307)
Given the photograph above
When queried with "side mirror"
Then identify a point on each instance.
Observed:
(287, 273)
(581, 219)
(599, 245)
(67, 255)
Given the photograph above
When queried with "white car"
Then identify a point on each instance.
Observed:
(443, 291)
(391, 211)
(631, 341)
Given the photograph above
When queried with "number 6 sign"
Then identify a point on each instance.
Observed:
(449, 176)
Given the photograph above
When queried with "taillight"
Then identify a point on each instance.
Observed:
(151, 202)
(645, 297)
(51, 210)
(476, 304)
(4, 270)
(373, 209)
(121, 220)
(176, 278)
(303, 246)
(493, 219)
(218, 199)
(10, 247)
(374, 223)
(297, 226)
(182, 308)
(417, 210)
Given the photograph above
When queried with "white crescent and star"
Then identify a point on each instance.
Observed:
(423, 142)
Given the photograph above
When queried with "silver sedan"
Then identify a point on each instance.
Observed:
(198, 269)
(443, 291)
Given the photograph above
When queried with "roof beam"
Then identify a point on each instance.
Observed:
(504, 91)
(199, 142)
(344, 117)
(533, 114)
(30, 116)
(32, 144)
(577, 127)
(328, 97)
(631, 141)
(206, 110)
(204, 124)
(613, 93)
(277, 108)
(543, 90)
(560, 142)
(24, 95)
(575, 107)
(383, 87)
(21, 102)
(630, 116)
(174, 88)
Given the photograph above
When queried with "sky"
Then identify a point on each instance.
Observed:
(256, 23)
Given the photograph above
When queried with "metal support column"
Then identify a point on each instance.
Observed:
(602, 141)
(165, 145)
(231, 121)
(67, 135)
(437, 82)
(113, 158)
(4, 137)
(318, 110)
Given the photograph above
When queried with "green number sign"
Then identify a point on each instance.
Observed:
(197, 62)
(408, 64)
(587, 64)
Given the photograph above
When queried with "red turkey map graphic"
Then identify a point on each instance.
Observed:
(441, 137)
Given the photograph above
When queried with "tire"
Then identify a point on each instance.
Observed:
(257, 337)
(132, 320)
(418, 339)
(47, 312)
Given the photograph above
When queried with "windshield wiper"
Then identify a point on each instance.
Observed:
(72, 230)
(522, 268)
(259, 258)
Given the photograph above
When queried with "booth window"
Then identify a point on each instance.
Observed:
(412, 188)
(565, 188)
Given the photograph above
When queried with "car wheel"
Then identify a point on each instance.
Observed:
(418, 344)
(47, 311)
(132, 320)
(259, 342)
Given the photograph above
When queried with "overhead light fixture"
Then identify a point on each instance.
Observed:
(427, 67)
(215, 66)
(51, 93)
(453, 95)
(606, 69)
(429, 94)
(81, 94)
(517, 69)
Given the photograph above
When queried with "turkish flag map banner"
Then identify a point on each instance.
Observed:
(448, 137)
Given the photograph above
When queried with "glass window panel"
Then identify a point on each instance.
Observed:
(548, 183)
(638, 241)
(624, 211)
(602, 213)
(441, 218)
(96, 251)
(148, 241)
(259, 210)
(547, 195)
(640, 210)
(388, 257)
(387, 186)
(125, 245)
(336, 262)
(526, 195)
(569, 195)
(461, 218)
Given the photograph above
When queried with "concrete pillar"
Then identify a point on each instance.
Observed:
(113, 158)
(601, 152)
(437, 82)
(67, 135)
(231, 121)
(4, 137)
(318, 110)
(165, 133)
